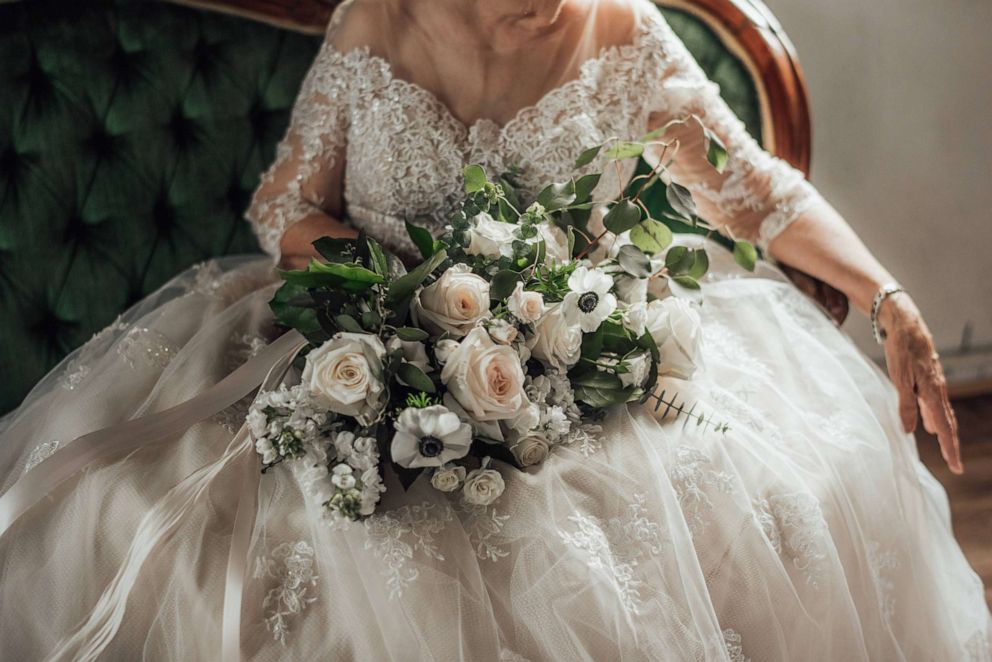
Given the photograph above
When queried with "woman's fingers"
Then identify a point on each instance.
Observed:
(902, 378)
(938, 416)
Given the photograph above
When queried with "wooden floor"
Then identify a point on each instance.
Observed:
(970, 494)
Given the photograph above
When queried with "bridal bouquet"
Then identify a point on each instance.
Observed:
(506, 340)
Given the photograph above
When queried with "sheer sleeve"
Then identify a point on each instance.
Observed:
(305, 177)
(757, 195)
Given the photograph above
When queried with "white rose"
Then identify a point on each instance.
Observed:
(526, 306)
(502, 332)
(443, 349)
(483, 486)
(532, 449)
(555, 341)
(448, 478)
(638, 367)
(677, 330)
(454, 303)
(555, 243)
(344, 375)
(486, 379)
(489, 237)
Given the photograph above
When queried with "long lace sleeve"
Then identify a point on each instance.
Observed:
(306, 174)
(757, 195)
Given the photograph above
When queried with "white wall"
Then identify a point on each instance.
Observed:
(902, 146)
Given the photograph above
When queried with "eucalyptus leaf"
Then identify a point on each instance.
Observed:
(687, 282)
(716, 151)
(678, 260)
(700, 264)
(475, 178)
(287, 311)
(584, 187)
(624, 150)
(622, 216)
(557, 195)
(503, 284)
(411, 334)
(414, 377)
(348, 323)
(422, 239)
(380, 264)
(651, 236)
(745, 254)
(586, 157)
(633, 260)
(335, 249)
(680, 199)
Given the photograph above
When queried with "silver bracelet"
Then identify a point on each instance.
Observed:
(883, 293)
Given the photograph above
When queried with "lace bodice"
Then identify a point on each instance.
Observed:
(404, 150)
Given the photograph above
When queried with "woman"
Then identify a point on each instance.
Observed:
(808, 531)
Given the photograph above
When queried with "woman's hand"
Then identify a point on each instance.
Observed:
(916, 372)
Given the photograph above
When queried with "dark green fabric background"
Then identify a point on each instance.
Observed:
(131, 137)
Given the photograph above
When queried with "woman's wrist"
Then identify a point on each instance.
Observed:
(895, 312)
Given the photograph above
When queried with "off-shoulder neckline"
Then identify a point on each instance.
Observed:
(644, 26)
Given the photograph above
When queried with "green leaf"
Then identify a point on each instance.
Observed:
(335, 249)
(592, 343)
(678, 260)
(475, 178)
(584, 187)
(680, 198)
(687, 282)
(287, 311)
(411, 334)
(745, 254)
(348, 323)
(622, 216)
(716, 151)
(415, 378)
(624, 150)
(422, 239)
(503, 284)
(380, 264)
(401, 289)
(633, 260)
(700, 263)
(350, 277)
(557, 195)
(660, 131)
(586, 157)
(651, 236)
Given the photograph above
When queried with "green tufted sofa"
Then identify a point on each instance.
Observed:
(132, 134)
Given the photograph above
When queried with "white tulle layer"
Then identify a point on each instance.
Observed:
(808, 531)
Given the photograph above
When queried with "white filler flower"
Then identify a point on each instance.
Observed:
(590, 302)
(429, 437)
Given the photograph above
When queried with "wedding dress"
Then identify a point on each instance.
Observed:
(807, 531)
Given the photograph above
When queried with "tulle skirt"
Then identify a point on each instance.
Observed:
(809, 530)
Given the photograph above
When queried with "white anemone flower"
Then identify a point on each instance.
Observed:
(429, 437)
(590, 302)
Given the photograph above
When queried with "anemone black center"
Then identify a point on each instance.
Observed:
(588, 302)
(431, 446)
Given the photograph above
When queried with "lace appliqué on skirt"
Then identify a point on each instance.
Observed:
(386, 533)
(690, 474)
(616, 546)
(292, 566)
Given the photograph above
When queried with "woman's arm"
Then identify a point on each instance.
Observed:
(764, 200)
(827, 247)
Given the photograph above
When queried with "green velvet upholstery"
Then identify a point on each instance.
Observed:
(132, 134)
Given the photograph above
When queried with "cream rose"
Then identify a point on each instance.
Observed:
(485, 378)
(443, 349)
(448, 478)
(555, 341)
(483, 486)
(526, 306)
(531, 449)
(344, 375)
(489, 237)
(453, 304)
(677, 330)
